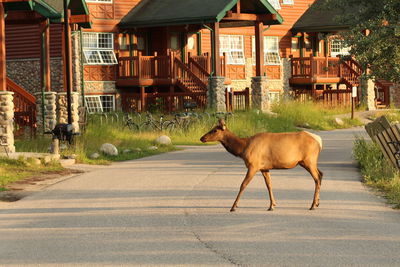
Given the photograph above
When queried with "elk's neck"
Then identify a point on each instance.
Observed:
(234, 144)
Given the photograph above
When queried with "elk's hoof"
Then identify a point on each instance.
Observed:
(233, 209)
(271, 209)
(312, 208)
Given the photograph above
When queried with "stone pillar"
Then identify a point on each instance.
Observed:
(368, 95)
(286, 75)
(216, 93)
(260, 93)
(394, 92)
(6, 120)
(76, 62)
(62, 110)
(50, 115)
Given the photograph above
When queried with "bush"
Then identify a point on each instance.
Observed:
(377, 172)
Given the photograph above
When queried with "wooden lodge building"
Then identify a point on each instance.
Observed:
(138, 55)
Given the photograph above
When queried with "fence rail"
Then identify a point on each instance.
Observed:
(164, 102)
(237, 100)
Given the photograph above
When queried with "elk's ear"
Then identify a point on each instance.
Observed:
(222, 124)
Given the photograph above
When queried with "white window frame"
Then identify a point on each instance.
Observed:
(98, 48)
(275, 4)
(100, 1)
(95, 103)
(340, 49)
(268, 53)
(288, 2)
(231, 51)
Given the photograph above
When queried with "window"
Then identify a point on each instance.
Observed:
(271, 50)
(288, 2)
(275, 4)
(99, 1)
(98, 48)
(100, 103)
(122, 40)
(338, 48)
(233, 46)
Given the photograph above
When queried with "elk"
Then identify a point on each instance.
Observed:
(266, 151)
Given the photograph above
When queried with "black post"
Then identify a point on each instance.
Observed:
(67, 60)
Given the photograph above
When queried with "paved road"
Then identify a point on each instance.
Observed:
(173, 209)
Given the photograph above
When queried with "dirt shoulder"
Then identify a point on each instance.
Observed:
(25, 187)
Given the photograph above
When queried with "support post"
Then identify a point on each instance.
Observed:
(67, 62)
(142, 99)
(3, 71)
(259, 48)
(215, 47)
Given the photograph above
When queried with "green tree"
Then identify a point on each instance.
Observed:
(373, 33)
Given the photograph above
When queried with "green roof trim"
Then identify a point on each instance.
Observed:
(51, 9)
(180, 12)
(38, 6)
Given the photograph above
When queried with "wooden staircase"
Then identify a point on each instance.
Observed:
(24, 108)
(191, 82)
(350, 72)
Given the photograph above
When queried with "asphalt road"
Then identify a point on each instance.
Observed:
(173, 209)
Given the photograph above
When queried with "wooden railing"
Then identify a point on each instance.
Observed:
(334, 98)
(318, 67)
(164, 102)
(237, 100)
(327, 67)
(24, 108)
(163, 67)
(144, 67)
(185, 75)
(350, 71)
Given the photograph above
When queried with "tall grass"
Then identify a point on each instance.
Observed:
(377, 172)
(313, 115)
(99, 130)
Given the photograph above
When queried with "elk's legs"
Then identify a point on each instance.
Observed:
(268, 183)
(246, 181)
(317, 179)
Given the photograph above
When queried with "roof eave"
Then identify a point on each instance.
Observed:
(319, 28)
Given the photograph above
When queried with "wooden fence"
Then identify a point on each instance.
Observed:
(387, 137)
(237, 100)
(163, 102)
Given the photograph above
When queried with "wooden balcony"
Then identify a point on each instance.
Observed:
(313, 70)
(162, 70)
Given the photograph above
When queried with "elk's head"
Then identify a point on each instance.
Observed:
(216, 133)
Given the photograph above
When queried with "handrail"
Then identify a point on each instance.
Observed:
(199, 67)
(190, 74)
(12, 86)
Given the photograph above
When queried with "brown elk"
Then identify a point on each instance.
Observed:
(266, 151)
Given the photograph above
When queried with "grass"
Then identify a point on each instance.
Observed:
(377, 172)
(12, 170)
(99, 131)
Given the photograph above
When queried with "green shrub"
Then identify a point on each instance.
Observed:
(376, 171)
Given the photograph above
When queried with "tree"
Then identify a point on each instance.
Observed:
(373, 33)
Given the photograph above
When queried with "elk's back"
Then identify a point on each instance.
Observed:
(280, 150)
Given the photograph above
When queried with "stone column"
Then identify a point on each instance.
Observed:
(76, 62)
(368, 95)
(260, 93)
(50, 115)
(6, 120)
(216, 93)
(286, 75)
(62, 110)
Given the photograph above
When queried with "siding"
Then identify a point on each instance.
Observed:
(24, 41)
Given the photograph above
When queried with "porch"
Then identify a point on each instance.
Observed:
(325, 79)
